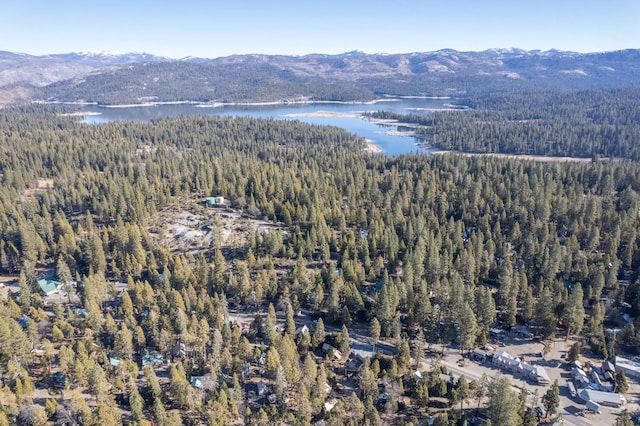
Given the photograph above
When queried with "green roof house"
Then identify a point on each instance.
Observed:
(49, 286)
(214, 201)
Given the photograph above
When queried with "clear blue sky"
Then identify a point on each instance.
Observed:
(212, 28)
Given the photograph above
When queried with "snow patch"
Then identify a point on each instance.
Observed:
(434, 66)
(574, 72)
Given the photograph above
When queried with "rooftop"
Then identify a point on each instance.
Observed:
(48, 285)
(627, 364)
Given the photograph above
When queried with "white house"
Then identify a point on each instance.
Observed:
(262, 388)
(603, 398)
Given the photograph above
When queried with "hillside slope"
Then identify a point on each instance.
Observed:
(134, 78)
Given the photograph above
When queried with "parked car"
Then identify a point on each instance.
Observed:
(539, 412)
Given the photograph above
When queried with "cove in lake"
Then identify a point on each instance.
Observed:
(347, 116)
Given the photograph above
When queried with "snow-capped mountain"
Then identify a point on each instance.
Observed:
(111, 76)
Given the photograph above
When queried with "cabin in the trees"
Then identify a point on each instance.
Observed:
(49, 286)
(202, 382)
(215, 201)
(152, 359)
(334, 353)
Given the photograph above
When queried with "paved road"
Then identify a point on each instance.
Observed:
(473, 371)
(358, 340)
(568, 406)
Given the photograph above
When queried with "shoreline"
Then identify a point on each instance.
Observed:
(530, 157)
(147, 104)
(214, 104)
(399, 133)
(373, 147)
(79, 114)
(324, 114)
(290, 102)
(391, 122)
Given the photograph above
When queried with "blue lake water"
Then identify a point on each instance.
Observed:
(335, 114)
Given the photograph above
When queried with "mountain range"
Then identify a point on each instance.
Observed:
(140, 77)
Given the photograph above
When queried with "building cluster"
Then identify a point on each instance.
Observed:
(595, 385)
(514, 365)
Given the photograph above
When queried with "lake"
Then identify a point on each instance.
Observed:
(346, 116)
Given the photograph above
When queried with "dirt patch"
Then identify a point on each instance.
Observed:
(195, 228)
(41, 188)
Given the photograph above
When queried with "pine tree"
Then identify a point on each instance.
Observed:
(468, 328)
(270, 334)
(574, 352)
(318, 334)
(290, 325)
(551, 399)
(99, 384)
(159, 413)
(135, 401)
(106, 416)
(622, 386)
(374, 328)
(462, 390)
(573, 315)
(422, 393)
(64, 276)
(502, 407)
(273, 362)
(544, 314)
(304, 408)
(368, 382)
(624, 419)
(289, 359)
(24, 290)
(345, 341)
(123, 345)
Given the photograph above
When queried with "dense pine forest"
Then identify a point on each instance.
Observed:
(415, 250)
(590, 124)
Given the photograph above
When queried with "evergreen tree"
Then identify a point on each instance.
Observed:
(24, 291)
(551, 399)
(290, 325)
(318, 334)
(502, 407)
(621, 382)
(345, 344)
(544, 314)
(574, 352)
(624, 419)
(374, 329)
(135, 402)
(422, 393)
(573, 316)
(462, 390)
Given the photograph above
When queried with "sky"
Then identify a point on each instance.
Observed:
(212, 28)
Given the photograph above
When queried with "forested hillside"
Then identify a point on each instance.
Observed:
(351, 76)
(453, 244)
